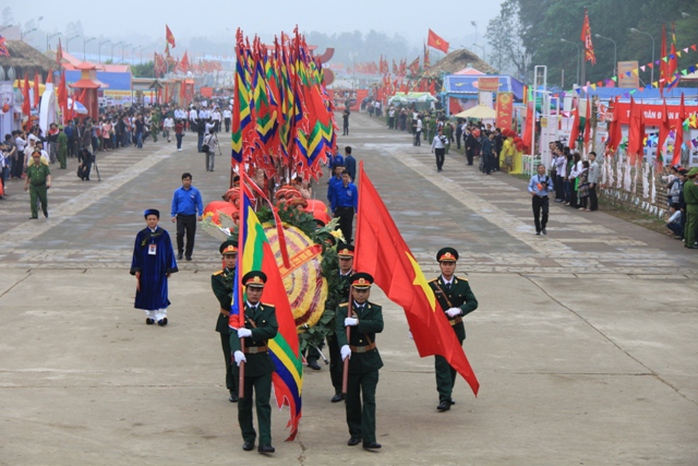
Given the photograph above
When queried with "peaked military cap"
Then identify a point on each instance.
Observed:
(228, 247)
(345, 250)
(254, 278)
(361, 280)
(447, 255)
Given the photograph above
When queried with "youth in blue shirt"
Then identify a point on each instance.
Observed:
(539, 186)
(344, 204)
(187, 208)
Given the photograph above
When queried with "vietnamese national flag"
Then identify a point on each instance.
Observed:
(382, 252)
(169, 37)
(437, 42)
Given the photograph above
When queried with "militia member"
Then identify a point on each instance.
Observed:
(364, 361)
(260, 326)
(153, 262)
(457, 300)
(38, 181)
(222, 284)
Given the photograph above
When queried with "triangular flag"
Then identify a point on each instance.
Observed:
(651, 65)
(678, 54)
(643, 67)
(635, 72)
(684, 72)
(685, 50)
(656, 62)
(628, 74)
(665, 59)
(593, 86)
(615, 78)
(633, 91)
(693, 47)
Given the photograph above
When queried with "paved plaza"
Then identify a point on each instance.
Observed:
(585, 341)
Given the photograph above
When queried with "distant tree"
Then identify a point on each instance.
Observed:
(505, 38)
(7, 16)
(143, 70)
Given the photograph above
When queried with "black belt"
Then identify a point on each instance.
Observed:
(186, 215)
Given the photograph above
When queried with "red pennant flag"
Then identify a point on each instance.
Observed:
(433, 40)
(574, 135)
(49, 77)
(382, 252)
(169, 37)
(184, 63)
(678, 140)
(663, 130)
(37, 96)
(586, 38)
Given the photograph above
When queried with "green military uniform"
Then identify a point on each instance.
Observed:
(37, 175)
(261, 320)
(690, 195)
(457, 294)
(62, 149)
(363, 367)
(222, 285)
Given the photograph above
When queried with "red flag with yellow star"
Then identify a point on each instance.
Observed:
(434, 40)
(382, 252)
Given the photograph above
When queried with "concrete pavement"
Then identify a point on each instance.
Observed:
(584, 342)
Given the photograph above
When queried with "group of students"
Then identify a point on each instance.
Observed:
(575, 180)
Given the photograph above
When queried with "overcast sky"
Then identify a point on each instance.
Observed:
(121, 19)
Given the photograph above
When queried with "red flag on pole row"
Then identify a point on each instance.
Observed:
(678, 140)
(169, 37)
(586, 38)
(382, 252)
(433, 40)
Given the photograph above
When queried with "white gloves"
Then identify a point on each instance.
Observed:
(239, 357)
(453, 312)
(244, 332)
(345, 351)
(351, 322)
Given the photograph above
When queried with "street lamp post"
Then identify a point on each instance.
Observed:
(84, 44)
(23, 34)
(112, 48)
(579, 52)
(101, 43)
(140, 48)
(67, 41)
(475, 25)
(615, 53)
(484, 53)
(123, 46)
(49, 37)
(650, 36)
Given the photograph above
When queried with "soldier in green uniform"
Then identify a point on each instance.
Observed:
(62, 147)
(222, 284)
(260, 326)
(364, 360)
(345, 252)
(457, 300)
(38, 181)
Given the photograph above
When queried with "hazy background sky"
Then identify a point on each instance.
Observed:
(146, 19)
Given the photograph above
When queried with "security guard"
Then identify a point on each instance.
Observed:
(364, 361)
(260, 326)
(38, 181)
(222, 284)
(457, 300)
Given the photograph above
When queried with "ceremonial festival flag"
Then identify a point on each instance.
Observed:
(184, 63)
(433, 40)
(586, 38)
(678, 139)
(59, 53)
(26, 104)
(663, 130)
(255, 253)
(3, 48)
(382, 252)
(169, 37)
(37, 82)
(574, 135)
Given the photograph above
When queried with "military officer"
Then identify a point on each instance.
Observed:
(345, 252)
(364, 360)
(457, 300)
(222, 284)
(38, 181)
(260, 326)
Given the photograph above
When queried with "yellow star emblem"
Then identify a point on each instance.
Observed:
(421, 281)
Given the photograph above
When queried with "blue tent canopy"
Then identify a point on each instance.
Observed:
(465, 87)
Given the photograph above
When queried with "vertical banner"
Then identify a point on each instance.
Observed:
(628, 74)
(505, 107)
